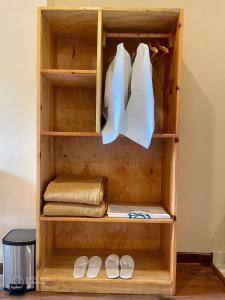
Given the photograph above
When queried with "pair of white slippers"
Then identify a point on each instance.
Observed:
(115, 267)
(119, 267)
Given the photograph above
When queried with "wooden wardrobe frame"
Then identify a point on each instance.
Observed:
(75, 46)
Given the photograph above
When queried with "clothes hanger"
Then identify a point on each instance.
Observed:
(164, 49)
(153, 49)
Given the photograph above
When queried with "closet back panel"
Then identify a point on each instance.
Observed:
(67, 108)
(69, 45)
(134, 174)
(143, 21)
(81, 235)
(75, 109)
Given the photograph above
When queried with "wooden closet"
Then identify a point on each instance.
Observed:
(75, 47)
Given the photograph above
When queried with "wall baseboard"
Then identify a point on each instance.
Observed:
(182, 257)
(194, 257)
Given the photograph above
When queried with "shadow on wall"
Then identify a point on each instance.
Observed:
(19, 207)
(195, 166)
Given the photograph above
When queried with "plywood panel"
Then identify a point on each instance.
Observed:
(172, 87)
(151, 276)
(47, 105)
(47, 53)
(99, 74)
(70, 78)
(169, 160)
(140, 21)
(72, 23)
(77, 53)
(134, 174)
(113, 236)
(75, 109)
(168, 247)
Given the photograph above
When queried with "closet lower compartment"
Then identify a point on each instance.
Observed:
(146, 243)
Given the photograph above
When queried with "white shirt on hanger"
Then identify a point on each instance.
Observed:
(139, 118)
(116, 94)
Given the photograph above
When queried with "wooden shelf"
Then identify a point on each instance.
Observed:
(71, 78)
(150, 275)
(97, 134)
(105, 220)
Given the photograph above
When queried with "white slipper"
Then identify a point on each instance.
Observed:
(127, 267)
(80, 266)
(112, 266)
(94, 266)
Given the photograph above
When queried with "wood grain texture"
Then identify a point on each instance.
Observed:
(75, 109)
(48, 44)
(106, 220)
(71, 23)
(70, 78)
(79, 53)
(150, 274)
(99, 74)
(98, 134)
(70, 142)
(119, 162)
(145, 21)
(47, 104)
(113, 236)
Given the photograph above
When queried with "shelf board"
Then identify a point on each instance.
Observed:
(105, 220)
(71, 78)
(97, 134)
(150, 275)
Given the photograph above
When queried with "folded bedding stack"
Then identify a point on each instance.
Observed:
(71, 195)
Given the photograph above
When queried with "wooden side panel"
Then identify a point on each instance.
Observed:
(75, 109)
(45, 156)
(134, 174)
(81, 235)
(172, 87)
(47, 54)
(47, 163)
(47, 104)
(99, 74)
(168, 246)
(169, 160)
(44, 249)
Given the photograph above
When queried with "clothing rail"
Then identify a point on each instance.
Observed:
(138, 35)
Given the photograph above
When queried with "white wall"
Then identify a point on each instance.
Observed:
(201, 213)
(17, 114)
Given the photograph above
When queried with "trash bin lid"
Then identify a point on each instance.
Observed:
(20, 237)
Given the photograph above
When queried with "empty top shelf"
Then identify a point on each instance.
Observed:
(71, 78)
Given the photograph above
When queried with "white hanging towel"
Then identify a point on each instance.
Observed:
(116, 94)
(140, 109)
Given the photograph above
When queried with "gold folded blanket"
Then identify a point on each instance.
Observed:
(75, 210)
(77, 189)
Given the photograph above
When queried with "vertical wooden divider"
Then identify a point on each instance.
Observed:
(99, 73)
